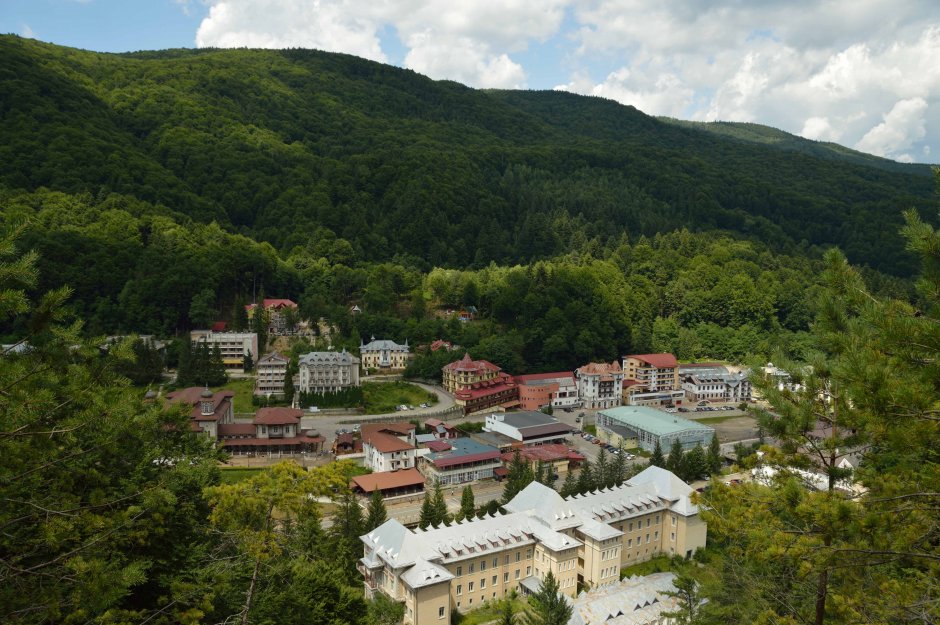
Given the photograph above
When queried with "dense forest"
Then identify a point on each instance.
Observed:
(295, 146)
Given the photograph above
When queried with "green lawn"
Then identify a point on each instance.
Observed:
(382, 397)
(243, 389)
(659, 564)
(489, 612)
(237, 474)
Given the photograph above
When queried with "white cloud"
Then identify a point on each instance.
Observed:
(468, 41)
(26, 31)
(903, 125)
(819, 129)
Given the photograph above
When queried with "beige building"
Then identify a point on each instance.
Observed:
(600, 384)
(233, 346)
(651, 380)
(384, 355)
(327, 372)
(583, 539)
(272, 372)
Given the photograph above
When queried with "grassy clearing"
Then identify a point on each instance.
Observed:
(382, 397)
(237, 474)
(243, 389)
(659, 564)
(489, 612)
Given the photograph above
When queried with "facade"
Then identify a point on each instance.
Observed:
(528, 428)
(458, 461)
(385, 355)
(715, 383)
(479, 385)
(600, 385)
(327, 372)
(233, 346)
(557, 390)
(277, 323)
(272, 372)
(651, 380)
(389, 446)
(646, 426)
(272, 431)
(209, 410)
(583, 539)
(440, 429)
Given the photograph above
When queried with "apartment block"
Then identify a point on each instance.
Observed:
(272, 372)
(234, 346)
(651, 380)
(579, 539)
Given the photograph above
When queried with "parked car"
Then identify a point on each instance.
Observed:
(577, 419)
(425, 405)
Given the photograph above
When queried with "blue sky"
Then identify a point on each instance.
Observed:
(857, 72)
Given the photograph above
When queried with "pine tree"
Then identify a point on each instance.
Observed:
(507, 615)
(519, 476)
(657, 459)
(548, 606)
(694, 464)
(602, 470)
(239, 315)
(215, 369)
(376, 514)
(259, 324)
(426, 516)
(570, 487)
(674, 461)
(185, 372)
(439, 506)
(713, 459)
(467, 505)
(618, 470)
(249, 363)
(586, 481)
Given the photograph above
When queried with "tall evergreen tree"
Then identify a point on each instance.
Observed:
(586, 481)
(694, 465)
(713, 458)
(602, 470)
(376, 514)
(426, 516)
(570, 487)
(467, 504)
(548, 606)
(239, 315)
(618, 470)
(657, 459)
(674, 461)
(439, 505)
(519, 476)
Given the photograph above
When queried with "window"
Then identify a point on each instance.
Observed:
(470, 587)
(506, 559)
(518, 556)
(528, 571)
(631, 526)
(657, 518)
(673, 521)
(648, 522)
(470, 568)
(495, 579)
(528, 554)
(656, 536)
(517, 574)
(647, 539)
(459, 589)
(505, 578)
(483, 565)
(459, 571)
(482, 583)
(672, 537)
(496, 562)
(629, 542)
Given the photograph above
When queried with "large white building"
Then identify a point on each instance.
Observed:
(271, 375)
(715, 383)
(527, 427)
(389, 446)
(234, 346)
(583, 539)
(600, 385)
(327, 372)
(651, 380)
(384, 355)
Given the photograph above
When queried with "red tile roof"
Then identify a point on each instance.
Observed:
(439, 344)
(388, 480)
(219, 326)
(545, 453)
(278, 416)
(467, 459)
(438, 446)
(468, 364)
(660, 361)
(236, 429)
(384, 442)
(274, 303)
(400, 429)
(600, 368)
(261, 442)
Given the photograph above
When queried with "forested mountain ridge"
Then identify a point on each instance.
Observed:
(295, 146)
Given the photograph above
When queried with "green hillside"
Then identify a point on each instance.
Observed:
(295, 146)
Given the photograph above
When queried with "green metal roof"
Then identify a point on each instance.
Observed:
(654, 421)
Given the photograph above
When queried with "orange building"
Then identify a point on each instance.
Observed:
(557, 390)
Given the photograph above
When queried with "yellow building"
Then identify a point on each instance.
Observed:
(384, 355)
(584, 539)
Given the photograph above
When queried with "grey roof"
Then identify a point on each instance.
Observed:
(654, 421)
(425, 438)
(377, 345)
(632, 601)
(528, 419)
(425, 573)
(312, 359)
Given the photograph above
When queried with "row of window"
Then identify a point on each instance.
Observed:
(493, 581)
(482, 563)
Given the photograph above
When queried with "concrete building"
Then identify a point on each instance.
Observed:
(557, 390)
(529, 428)
(232, 345)
(276, 309)
(389, 446)
(272, 373)
(600, 385)
(459, 460)
(327, 372)
(479, 385)
(643, 426)
(583, 539)
(272, 431)
(384, 355)
(209, 410)
(715, 383)
(651, 380)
